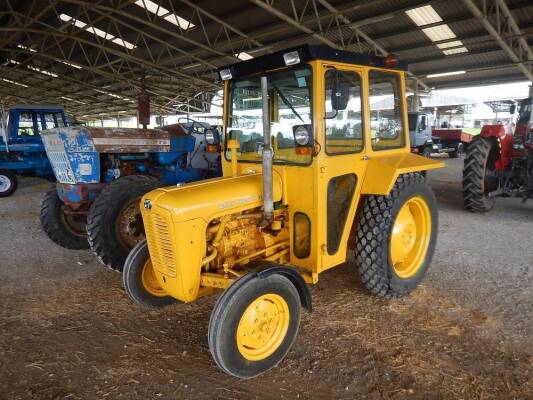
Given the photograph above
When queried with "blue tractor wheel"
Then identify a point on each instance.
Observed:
(8, 183)
(114, 222)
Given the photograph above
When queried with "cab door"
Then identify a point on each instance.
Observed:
(343, 160)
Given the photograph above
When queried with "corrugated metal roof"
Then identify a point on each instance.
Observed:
(180, 65)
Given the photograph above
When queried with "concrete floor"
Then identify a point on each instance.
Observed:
(67, 330)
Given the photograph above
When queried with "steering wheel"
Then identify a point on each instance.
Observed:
(191, 129)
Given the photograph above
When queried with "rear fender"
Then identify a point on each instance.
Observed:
(382, 172)
(503, 139)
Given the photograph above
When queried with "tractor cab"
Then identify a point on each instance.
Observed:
(316, 165)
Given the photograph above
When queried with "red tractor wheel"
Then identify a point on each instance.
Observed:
(480, 176)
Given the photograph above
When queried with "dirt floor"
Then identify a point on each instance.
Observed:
(68, 331)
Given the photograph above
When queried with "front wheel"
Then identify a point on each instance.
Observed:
(458, 152)
(254, 324)
(396, 237)
(140, 282)
(8, 183)
(65, 227)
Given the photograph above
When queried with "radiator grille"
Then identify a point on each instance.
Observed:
(61, 166)
(159, 242)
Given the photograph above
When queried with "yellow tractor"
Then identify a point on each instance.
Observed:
(316, 164)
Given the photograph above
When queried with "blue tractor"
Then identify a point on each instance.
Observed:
(103, 172)
(21, 148)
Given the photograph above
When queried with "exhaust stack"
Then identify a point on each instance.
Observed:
(268, 202)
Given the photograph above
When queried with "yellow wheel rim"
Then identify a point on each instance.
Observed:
(410, 237)
(149, 281)
(263, 327)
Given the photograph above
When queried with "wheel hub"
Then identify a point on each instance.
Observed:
(263, 327)
(149, 281)
(5, 183)
(130, 228)
(410, 237)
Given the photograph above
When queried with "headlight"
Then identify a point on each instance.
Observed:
(225, 74)
(210, 137)
(301, 136)
(291, 58)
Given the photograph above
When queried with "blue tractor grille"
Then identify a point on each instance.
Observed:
(72, 154)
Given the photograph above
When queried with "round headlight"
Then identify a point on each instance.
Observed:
(301, 136)
(210, 137)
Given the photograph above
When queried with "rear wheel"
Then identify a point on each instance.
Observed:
(396, 237)
(8, 183)
(479, 174)
(114, 223)
(65, 227)
(254, 324)
(140, 282)
(426, 152)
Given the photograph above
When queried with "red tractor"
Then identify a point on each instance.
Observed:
(498, 163)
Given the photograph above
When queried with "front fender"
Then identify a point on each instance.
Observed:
(382, 172)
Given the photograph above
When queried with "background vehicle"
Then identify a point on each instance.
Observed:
(294, 199)
(426, 141)
(21, 148)
(102, 173)
(498, 163)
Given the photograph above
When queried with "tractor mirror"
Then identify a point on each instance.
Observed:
(303, 135)
(512, 109)
(341, 93)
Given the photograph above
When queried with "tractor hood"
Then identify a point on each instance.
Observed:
(210, 198)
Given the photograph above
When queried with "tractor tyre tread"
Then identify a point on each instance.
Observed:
(102, 240)
(474, 197)
(52, 226)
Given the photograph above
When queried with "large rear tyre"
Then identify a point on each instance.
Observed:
(254, 324)
(114, 222)
(67, 229)
(140, 282)
(479, 174)
(396, 237)
(8, 183)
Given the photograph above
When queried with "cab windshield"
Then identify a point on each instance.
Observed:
(289, 102)
(525, 111)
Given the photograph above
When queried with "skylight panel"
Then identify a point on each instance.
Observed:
(244, 56)
(162, 12)
(455, 43)
(97, 31)
(42, 71)
(438, 33)
(424, 15)
(459, 50)
(14, 82)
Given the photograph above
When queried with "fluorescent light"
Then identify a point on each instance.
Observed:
(244, 56)
(459, 50)
(21, 46)
(69, 64)
(445, 74)
(191, 66)
(97, 32)
(13, 61)
(116, 96)
(424, 15)
(162, 12)
(438, 33)
(455, 43)
(74, 100)
(14, 83)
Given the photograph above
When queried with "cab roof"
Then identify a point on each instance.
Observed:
(307, 53)
(55, 107)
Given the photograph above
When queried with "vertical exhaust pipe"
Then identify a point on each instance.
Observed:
(268, 201)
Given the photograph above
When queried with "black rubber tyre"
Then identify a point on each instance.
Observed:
(373, 237)
(66, 230)
(478, 174)
(226, 316)
(133, 282)
(103, 228)
(8, 183)
(458, 152)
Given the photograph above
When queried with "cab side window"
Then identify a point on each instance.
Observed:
(386, 110)
(26, 124)
(343, 112)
